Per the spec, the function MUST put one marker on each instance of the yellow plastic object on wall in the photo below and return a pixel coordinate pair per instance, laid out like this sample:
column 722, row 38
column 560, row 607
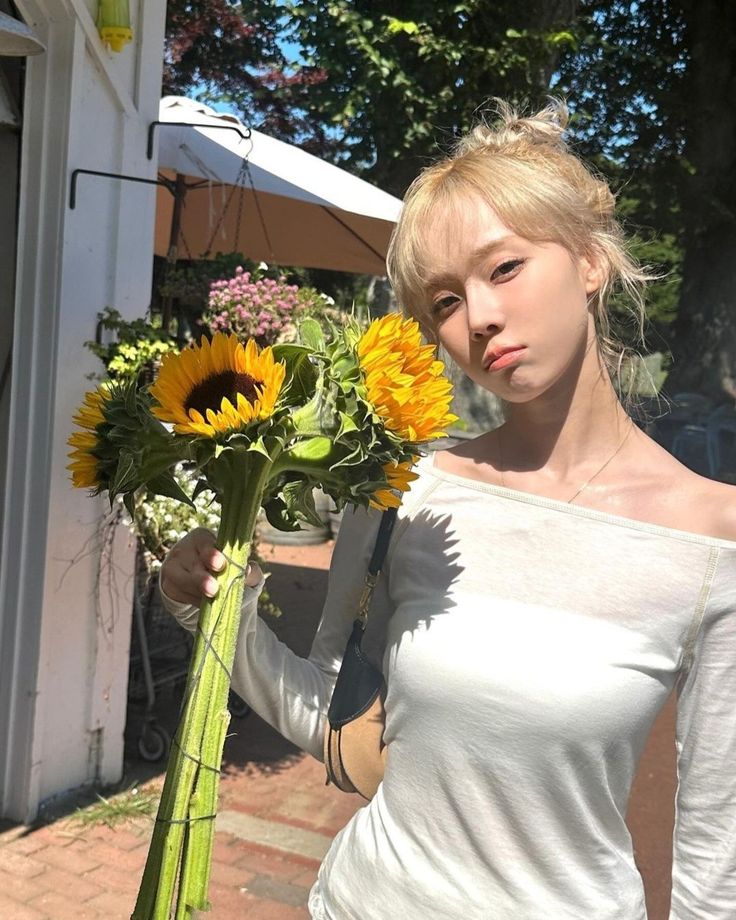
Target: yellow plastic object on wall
column 113, row 23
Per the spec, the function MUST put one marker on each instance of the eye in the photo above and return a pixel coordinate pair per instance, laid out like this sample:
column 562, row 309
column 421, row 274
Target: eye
column 507, row 270
column 443, row 304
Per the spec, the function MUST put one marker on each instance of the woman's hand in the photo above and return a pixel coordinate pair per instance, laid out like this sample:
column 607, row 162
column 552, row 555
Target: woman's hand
column 187, row 574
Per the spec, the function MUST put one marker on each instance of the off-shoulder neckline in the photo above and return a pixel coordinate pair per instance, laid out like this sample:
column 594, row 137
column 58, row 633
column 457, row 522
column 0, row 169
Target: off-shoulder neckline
column 580, row 511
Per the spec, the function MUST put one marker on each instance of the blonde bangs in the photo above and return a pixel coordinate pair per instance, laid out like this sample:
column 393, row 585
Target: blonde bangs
column 527, row 197
column 523, row 170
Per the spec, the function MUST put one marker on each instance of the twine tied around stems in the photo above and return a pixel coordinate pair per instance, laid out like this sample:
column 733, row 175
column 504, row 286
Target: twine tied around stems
column 242, row 573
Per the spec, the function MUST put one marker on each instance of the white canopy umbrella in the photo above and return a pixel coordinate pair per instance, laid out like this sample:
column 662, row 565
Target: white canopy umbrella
column 242, row 191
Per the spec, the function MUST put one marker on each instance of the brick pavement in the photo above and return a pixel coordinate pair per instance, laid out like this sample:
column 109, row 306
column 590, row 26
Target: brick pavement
column 64, row 871
column 276, row 815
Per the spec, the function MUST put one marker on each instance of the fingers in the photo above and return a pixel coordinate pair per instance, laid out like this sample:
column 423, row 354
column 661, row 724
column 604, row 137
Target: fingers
column 203, row 542
column 189, row 570
column 253, row 575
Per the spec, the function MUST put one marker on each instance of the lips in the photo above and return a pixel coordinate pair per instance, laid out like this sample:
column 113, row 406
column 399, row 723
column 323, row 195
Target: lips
column 502, row 356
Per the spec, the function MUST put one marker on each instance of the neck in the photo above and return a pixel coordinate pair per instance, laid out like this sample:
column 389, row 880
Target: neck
column 567, row 431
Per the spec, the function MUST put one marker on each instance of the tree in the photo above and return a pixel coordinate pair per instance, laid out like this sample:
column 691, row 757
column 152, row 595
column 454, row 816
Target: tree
column 704, row 345
column 397, row 89
column 652, row 86
column 225, row 51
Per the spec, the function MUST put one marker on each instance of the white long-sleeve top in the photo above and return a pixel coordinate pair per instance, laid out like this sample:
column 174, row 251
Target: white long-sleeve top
column 527, row 646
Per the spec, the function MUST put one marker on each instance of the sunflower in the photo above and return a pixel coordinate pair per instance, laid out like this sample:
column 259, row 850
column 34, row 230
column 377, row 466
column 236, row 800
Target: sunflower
column 400, row 477
column 216, row 387
column 404, row 380
column 86, row 468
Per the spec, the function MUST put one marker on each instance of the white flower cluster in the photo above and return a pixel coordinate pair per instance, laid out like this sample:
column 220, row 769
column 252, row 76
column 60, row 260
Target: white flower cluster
column 161, row 522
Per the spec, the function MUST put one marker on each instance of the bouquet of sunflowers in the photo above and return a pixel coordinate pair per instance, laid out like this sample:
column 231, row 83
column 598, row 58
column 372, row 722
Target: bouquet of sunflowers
column 347, row 412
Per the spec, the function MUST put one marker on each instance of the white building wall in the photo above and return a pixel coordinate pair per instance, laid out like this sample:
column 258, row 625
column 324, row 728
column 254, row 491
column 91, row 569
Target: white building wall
column 66, row 615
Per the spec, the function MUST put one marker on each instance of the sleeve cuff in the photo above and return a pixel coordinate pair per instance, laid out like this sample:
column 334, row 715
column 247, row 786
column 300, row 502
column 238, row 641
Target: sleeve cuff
column 187, row 614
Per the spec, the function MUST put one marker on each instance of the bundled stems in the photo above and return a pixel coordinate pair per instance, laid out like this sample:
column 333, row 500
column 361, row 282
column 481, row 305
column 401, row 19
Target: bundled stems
column 183, row 836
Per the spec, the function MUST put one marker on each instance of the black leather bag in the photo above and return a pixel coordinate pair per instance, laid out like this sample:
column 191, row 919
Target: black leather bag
column 354, row 751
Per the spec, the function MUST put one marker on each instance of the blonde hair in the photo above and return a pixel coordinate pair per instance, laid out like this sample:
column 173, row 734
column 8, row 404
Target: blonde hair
column 523, row 169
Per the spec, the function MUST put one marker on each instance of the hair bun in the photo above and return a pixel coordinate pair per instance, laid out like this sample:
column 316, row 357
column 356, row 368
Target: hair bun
column 509, row 129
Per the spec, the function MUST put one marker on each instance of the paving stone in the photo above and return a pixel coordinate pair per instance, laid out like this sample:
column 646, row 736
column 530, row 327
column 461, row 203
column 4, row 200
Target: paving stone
column 12, row 910
column 130, row 837
column 307, row 878
column 227, row 849
column 23, row 866
column 262, row 862
column 130, row 860
column 276, row 834
column 273, row 910
column 27, row 844
column 110, row 879
column 264, row 886
column 227, row 903
column 19, row 888
column 76, row 861
column 113, row 905
column 52, row 835
column 64, row 907
column 59, row 880
column 229, row 875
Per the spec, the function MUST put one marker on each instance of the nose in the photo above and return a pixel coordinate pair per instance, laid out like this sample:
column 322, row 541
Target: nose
column 485, row 315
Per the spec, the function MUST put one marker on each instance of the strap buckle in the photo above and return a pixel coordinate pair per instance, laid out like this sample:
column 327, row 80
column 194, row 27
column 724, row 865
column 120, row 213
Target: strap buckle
column 365, row 598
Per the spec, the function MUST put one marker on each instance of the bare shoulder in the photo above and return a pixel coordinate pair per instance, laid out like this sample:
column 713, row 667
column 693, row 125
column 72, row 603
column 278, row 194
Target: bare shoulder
column 708, row 506
column 680, row 498
column 720, row 501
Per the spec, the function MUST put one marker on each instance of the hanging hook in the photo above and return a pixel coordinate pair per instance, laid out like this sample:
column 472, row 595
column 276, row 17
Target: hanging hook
column 242, row 130
column 166, row 183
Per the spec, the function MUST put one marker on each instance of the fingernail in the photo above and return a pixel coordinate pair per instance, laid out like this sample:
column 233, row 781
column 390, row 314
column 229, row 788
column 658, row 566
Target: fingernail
column 211, row 587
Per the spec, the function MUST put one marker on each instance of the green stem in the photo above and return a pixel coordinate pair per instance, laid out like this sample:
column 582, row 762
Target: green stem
column 184, row 831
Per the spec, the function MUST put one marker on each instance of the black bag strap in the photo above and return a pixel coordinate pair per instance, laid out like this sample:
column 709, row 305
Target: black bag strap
column 383, row 538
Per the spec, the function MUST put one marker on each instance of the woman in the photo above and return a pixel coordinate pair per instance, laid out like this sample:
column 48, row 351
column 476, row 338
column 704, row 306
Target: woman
column 547, row 585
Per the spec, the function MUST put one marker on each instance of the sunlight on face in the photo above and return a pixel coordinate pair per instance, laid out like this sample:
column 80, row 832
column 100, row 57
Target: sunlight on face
column 512, row 313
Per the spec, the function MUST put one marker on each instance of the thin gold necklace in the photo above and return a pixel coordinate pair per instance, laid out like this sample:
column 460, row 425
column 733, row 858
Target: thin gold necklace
column 587, row 482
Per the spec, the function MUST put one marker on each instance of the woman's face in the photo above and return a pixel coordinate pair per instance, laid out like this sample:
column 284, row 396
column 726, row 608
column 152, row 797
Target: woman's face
column 512, row 314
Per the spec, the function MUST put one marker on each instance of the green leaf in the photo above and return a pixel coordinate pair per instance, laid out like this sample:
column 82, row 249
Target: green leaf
column 347, row 424
column 278, row 516
column 129, row 502
column 126, row 474
column 398, row 25
column 299, row 500
column 201, row 486
column 310, row 332
column 312, row 450
column 165, row 484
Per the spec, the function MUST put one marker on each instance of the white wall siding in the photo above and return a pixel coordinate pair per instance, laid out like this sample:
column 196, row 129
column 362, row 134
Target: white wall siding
column 65, row 605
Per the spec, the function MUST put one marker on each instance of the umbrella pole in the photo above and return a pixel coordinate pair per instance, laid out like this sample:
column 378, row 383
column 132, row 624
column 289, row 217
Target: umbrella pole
column 180, row 190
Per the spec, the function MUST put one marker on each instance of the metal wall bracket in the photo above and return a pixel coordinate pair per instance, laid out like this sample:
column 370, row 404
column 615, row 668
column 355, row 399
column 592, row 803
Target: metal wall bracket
column 243, row 132
column 168, row 184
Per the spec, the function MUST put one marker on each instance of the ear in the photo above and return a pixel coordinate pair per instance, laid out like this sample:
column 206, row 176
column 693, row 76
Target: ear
column 593, row 272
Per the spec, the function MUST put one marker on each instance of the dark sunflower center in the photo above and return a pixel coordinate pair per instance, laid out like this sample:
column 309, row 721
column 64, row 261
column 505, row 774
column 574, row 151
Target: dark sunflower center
column 226, row 385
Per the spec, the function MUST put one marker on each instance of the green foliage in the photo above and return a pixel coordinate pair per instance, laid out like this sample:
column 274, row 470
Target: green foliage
column 337, row 441
column 117, row 809
column 395, row 88
column 190, row 281
column 136, row 347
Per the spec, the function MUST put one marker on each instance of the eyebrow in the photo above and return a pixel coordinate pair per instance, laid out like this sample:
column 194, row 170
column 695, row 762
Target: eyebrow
column 482, row 252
